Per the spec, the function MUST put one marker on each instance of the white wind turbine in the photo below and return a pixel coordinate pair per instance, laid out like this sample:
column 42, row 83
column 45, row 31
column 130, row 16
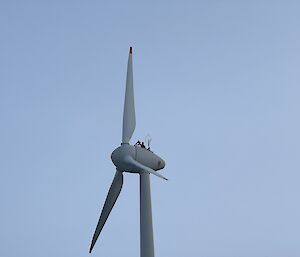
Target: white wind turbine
column 132, row 159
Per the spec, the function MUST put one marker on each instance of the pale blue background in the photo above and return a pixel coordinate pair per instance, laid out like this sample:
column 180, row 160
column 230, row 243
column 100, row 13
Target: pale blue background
column 217, row 86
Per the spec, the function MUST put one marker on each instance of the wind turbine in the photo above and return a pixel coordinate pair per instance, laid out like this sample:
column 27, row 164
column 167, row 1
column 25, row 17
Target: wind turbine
column 133, row 159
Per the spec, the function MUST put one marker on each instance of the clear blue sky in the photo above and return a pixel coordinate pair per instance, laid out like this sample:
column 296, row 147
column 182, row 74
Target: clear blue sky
column 217, row 85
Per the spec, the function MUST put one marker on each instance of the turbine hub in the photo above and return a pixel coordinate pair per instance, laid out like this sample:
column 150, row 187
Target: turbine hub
column 119, row 154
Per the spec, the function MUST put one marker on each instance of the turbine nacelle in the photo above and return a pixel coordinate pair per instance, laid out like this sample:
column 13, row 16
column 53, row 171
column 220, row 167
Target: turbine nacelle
column 125, row 156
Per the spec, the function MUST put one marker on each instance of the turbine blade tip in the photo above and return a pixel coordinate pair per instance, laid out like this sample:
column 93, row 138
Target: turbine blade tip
column 130, row 50
column 91, row 248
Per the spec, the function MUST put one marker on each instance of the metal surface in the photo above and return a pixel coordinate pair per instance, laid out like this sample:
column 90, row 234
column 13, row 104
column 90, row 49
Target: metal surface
column 146, row 228
column 140, row 168
column 129, row 110
column 110, row 201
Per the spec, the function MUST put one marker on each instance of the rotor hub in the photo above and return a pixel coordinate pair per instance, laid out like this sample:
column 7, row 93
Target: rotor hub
column 119, row 154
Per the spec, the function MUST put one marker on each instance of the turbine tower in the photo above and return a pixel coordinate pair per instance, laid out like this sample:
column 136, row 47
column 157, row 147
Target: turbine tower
column 133, row 159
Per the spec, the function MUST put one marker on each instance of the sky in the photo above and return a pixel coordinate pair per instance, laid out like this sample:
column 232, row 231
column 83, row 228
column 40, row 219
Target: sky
column 217, row 87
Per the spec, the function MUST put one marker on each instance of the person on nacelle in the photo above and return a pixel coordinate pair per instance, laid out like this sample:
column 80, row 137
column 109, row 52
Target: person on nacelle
column 138, row 143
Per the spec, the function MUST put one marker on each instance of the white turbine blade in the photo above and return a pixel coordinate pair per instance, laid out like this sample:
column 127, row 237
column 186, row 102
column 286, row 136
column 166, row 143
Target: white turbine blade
column 143, row 168
column 110, row 201
column 129, row 111
column 146, row 228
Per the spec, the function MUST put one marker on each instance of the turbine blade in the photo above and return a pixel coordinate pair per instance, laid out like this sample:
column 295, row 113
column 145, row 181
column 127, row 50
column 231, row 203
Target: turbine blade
column 110, row 201
column 142, row 167
column 129, row 110
column 146, row 228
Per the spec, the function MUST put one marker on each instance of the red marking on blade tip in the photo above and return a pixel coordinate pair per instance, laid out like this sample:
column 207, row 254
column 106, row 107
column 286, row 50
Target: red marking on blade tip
column 130, row 50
